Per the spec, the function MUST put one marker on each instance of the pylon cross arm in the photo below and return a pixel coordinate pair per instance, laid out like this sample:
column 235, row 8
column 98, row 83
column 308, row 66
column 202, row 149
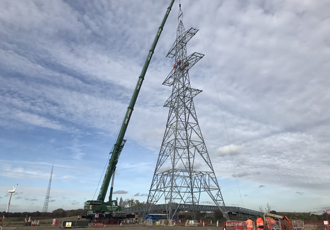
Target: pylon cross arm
column 179, row 71
column 181, row 41
column 192, row 93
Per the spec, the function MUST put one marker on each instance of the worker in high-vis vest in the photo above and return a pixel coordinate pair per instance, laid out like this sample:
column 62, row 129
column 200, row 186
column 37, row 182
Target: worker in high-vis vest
column 260, row 223
column 249, row 224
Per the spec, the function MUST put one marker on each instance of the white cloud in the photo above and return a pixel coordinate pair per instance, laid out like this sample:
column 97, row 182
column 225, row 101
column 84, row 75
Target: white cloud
column 34, row 119
column 66, row 177
column 12, row 171
column 164, row 168
column 263, row 110
column 229, row 150
column 120, row 192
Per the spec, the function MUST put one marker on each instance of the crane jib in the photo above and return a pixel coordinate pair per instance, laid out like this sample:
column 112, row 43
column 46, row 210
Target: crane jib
column 120, row 139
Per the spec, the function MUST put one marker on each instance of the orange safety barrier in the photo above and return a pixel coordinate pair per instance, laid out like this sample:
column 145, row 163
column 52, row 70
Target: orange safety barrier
column 99, row 223
column 314, row 225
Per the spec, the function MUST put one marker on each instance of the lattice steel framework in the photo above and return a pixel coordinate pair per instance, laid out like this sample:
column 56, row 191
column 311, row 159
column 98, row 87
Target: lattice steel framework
column 184, row 169
column 46, row 202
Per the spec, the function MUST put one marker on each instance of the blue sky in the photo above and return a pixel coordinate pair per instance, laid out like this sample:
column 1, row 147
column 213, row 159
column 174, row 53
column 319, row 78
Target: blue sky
column 68, row 70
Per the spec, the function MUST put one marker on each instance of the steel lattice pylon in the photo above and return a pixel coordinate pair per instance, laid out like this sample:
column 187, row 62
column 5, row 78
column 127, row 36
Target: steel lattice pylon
column 45, row 208
column 184, row 169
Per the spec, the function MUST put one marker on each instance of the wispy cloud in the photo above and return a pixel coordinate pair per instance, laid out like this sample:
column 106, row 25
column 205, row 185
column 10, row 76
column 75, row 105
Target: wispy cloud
column 20, row 172
column 120, row 192
column 64, row 89
column 141, row 194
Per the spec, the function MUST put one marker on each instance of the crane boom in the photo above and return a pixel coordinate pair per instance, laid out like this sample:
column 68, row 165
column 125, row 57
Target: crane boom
column 99, row 204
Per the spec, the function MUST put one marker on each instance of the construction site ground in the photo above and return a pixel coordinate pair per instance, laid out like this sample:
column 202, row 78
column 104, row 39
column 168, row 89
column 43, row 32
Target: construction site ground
column 46, row 224
column 124, row 227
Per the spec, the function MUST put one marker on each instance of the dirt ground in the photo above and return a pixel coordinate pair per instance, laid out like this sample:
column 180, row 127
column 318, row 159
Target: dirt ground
column 124, row 227
column 45, row 224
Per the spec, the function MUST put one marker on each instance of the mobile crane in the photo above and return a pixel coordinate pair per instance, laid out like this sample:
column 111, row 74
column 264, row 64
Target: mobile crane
column 99, row 208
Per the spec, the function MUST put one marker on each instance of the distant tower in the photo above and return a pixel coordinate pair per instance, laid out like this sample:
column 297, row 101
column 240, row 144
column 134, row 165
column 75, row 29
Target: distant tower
column 45, row 208
column 11, row 192
column 184, row 169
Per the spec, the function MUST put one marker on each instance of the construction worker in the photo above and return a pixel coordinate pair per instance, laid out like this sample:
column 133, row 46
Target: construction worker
column 260, row 223
column 179, row 62
column 249, row 224
column 174, row 66
column 185, row 65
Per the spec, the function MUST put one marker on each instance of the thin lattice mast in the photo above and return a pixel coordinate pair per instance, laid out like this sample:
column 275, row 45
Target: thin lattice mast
column 45, row 208
column 11, row 192
column 184, row 169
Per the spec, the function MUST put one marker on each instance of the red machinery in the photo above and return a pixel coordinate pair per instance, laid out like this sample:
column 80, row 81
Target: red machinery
column 272, row 224
column 327, row 223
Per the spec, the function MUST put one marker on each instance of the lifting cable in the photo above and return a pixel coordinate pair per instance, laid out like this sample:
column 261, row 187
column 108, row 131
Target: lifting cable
column 105, row 166
column 223, row 118
column 102, row 175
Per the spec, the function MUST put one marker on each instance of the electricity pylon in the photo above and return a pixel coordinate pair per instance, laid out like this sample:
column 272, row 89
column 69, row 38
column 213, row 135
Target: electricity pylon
column 184, row 169
column 45, row 208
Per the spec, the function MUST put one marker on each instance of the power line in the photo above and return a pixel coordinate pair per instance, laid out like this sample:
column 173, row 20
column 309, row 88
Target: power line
column 224, row 121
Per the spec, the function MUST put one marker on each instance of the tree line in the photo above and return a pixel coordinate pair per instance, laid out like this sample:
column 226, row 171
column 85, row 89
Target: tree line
column 58, row 213
column 130, row 203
